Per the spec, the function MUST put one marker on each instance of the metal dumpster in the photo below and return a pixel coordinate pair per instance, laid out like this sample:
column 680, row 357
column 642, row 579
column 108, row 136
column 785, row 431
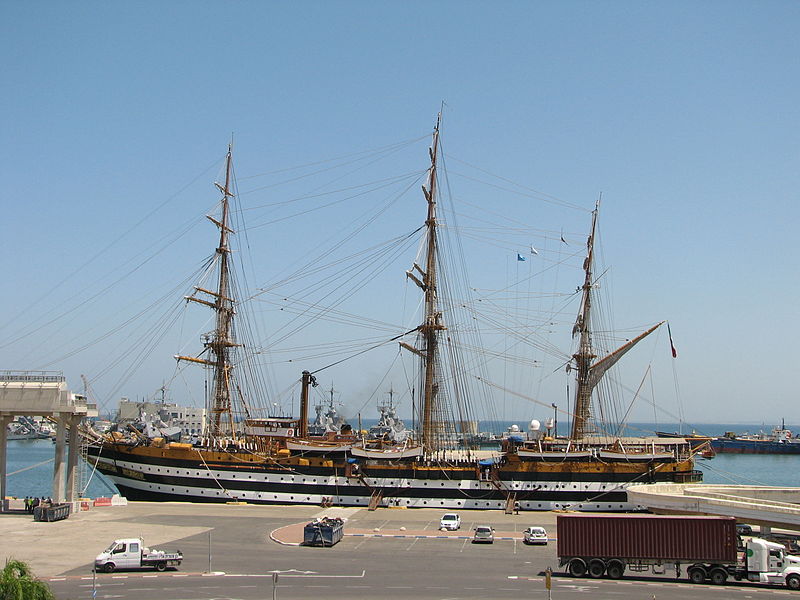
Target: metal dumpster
column 54, row 512
column 323, row 532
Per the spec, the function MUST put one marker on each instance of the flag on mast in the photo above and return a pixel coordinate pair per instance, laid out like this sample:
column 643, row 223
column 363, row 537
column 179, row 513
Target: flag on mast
column 671, row 345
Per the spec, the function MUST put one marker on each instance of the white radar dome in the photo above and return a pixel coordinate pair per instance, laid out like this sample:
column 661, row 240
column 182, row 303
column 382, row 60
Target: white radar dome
column 535, row 425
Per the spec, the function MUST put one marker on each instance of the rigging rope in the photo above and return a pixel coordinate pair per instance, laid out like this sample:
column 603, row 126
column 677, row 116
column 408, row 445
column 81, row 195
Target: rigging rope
column 394, row 339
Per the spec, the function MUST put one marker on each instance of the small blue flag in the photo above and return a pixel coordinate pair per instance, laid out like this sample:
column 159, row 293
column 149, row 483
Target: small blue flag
column 520, row 257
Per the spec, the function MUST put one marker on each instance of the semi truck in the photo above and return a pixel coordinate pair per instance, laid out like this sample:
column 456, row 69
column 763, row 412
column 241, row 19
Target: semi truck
column 131, row 553
column 706, row 548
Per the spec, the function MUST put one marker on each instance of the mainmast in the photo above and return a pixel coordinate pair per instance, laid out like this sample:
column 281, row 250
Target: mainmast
column 220, row 341
column 432, row 323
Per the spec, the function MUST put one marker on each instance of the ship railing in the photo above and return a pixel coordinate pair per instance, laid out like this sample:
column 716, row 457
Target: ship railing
column 32, row 376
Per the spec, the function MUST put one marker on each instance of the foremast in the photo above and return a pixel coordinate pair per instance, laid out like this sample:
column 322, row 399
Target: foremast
column 220, row 341
column 432, row 323
column 589, row 374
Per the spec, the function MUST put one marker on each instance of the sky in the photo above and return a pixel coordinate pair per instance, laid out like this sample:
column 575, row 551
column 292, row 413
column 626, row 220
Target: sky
column 683, row 116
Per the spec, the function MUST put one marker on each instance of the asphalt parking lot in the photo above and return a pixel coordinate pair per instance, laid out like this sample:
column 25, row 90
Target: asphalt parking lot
column 234, row 551
column 235, row 537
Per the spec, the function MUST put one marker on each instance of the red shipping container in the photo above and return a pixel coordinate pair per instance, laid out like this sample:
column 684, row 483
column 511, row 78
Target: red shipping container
column 648, row 537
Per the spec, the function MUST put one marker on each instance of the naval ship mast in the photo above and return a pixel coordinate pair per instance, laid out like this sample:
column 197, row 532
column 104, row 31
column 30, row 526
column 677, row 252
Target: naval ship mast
column 432, row 324
column 220, row 341
column 588, row 374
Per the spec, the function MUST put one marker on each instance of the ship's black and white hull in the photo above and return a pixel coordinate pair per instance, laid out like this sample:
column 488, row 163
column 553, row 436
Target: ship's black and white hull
column 163, row 479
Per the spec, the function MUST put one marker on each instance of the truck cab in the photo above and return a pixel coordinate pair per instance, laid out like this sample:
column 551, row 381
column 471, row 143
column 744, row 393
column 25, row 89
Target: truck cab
column 767, row 562
column 123, row 554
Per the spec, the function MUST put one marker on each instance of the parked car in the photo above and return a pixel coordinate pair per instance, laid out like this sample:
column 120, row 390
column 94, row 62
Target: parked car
column 450, row 521
column 483, row 534
column 534, row 535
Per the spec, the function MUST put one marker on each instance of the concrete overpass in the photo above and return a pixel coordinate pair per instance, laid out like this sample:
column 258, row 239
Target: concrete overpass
column 44, row 394
column 765, row 506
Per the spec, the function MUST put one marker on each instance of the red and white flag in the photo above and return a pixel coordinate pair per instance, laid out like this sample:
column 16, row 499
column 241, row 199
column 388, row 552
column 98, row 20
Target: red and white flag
column 671, row 345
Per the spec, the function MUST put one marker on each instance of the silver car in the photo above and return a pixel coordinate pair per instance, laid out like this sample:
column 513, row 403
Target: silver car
column 483, row 534
column 534, row 535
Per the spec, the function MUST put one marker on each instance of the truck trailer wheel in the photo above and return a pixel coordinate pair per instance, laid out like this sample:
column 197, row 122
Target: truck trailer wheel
column 615, row 569
column 109, row 567
column 718, row 576
column 793, row 582
column 697, row 575
column 161, row 566
column 596, row 568
column 577, row 568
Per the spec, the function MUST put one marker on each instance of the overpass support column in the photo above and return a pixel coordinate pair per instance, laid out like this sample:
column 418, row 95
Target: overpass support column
column 4, row 421
column 58, row 462
column 72, row 456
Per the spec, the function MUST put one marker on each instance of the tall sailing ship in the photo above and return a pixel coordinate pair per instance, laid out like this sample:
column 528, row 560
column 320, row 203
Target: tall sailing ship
column 276, row 460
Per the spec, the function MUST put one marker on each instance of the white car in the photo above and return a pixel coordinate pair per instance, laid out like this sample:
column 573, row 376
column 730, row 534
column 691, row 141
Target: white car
column 534, row 535
column 450, row 521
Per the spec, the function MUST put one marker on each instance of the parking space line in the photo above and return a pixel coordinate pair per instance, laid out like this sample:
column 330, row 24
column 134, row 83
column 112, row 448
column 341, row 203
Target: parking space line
column 361, row 543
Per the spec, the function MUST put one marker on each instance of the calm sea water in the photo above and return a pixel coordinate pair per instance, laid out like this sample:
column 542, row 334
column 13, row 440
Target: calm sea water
column 29, row 468
column 30, row 463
